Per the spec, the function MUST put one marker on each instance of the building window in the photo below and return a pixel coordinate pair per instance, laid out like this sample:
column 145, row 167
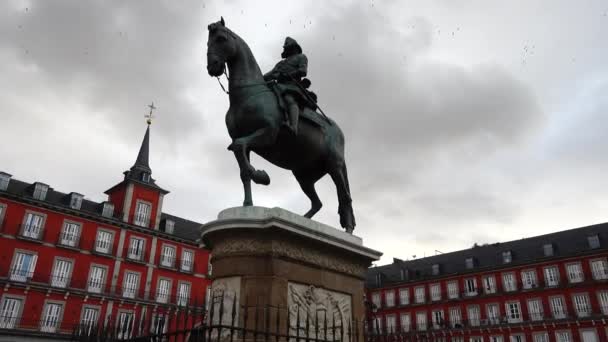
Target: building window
column 513, row 311
column 2, row 212
column 496, row 339
column 603, row 300
column 469, row 263
column 470, row 286
column 517, row 338
column 70, row 234
column 508, row 282
column 145, row 177
column 142, row 214
column 10, row 312
column 452, row 289
column 376, row 299
column 187, row 260
column 476, row 339
column 421, row 321
column 136, row 248
column 5, row 178
column 97, row 278
column 541, row 337
column 599, row 269
column 406, row 322
column 124, row 325
column 548, row 249
column 493, row 314
column 389, row 297
column 435, row 269
column 438, row 320
column 76, row 200
column 551, row 276
column 169, row 226
column 377, row 324
column 575, row 273
column 507, row 257
column 404, row 296
column 581, row 305
column 33, row 225
column 489, row 284
column 159, row 324
column 473, row 315
column 167, row 257
column 163, row 291
column 40, row 191
column 107, row 210
column 103, row 243
column 391, row 324
column 131, row 283
column 594, row 241
column 563, row 336
column 89, row 319
column 419, row 294
column 455, row 317
column 535, row 309
column 51, row 317
column 24, row 264
column 62, row 272
column 435, row 291
column 558, row 308
column 183, row 294
column 528, row 279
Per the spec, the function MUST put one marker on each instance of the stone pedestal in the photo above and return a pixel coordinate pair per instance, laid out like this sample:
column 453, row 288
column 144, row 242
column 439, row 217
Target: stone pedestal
column 263, row 257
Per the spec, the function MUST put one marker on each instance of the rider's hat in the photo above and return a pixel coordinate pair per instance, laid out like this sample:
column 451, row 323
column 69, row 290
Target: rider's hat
column 289, row 42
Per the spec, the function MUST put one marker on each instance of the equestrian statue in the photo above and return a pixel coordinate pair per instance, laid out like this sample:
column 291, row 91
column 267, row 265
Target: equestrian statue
column 275, row 116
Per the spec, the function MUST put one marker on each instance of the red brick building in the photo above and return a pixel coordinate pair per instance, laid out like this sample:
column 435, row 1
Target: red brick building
column 66, row 261
column 546, row 288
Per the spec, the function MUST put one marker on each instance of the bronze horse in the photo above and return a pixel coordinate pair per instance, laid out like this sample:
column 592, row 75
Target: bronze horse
column 254, row 122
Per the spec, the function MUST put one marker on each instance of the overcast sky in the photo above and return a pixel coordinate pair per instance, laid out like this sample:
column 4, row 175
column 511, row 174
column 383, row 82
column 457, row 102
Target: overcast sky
column 466, row 121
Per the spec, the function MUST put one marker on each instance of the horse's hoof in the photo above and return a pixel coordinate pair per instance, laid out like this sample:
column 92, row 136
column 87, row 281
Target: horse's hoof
column 260, row 177
column 247, row 203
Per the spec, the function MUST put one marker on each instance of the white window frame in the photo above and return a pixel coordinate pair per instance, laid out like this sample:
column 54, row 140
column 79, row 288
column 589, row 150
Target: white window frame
column 18, row 273
column 70, row 233
column 389, row 298
column 5, row 179
column 489, row 284
column 437, row 318
column 548, row 250
column 107, row 210
column 76, row 201
column 582, row 304
column 493, row 313
column 391, row 323
column 455, row 316
column 558, row 312
column 509, row 286
column 168, row 261
column 507, row 257
column 529, row 279
column 40, row 191
column 541, row 336
column 92, row 283
column 517, row 337
column 102, row 249
column 11, row 321
column 551, row 279
column 376, row 300
column 575, row 275
column 50, row 322
column 30, row 229
column 474, row 315
column 602, row 299
column 405, row 320
column 421, row 321
column 513, row 316
column 169, row 226
column 181, row 298
column 419, row 294
column 563, row 336
column 163, row 294
column 131, row 289
column 159, row 323
column 435, row 290
column 453, row 289
column 469, row 263
column 86, row 321
column 125, row 317
column 2, row 213
column 61, row 276
column 535, row 309
column 599, row 268
column 185, row 265
column 404, row 296
column 594, row 241
column 470, row 286
column 135, row 253
column 142, row 217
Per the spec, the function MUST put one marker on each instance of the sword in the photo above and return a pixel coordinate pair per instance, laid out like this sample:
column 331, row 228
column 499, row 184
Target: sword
column 305, row 92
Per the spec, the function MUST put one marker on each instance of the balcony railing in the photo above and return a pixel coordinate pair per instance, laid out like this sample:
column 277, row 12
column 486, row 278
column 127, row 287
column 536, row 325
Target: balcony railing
column 69, row 240
column 31, row 231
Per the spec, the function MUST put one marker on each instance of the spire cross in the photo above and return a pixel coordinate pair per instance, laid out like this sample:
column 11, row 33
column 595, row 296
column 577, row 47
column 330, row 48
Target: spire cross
column 150, row 116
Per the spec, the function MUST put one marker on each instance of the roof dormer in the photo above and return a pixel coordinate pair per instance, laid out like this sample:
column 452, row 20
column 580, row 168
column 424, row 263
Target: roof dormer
column 5, row 178
column 76, row 200
column 40, row 191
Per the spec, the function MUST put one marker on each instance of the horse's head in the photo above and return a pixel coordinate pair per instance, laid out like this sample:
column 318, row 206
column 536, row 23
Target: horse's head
column 221, row 46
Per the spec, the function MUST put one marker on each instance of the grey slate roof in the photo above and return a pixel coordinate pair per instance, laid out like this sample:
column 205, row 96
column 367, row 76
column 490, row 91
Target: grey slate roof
column 184, row 229
column 565, row 243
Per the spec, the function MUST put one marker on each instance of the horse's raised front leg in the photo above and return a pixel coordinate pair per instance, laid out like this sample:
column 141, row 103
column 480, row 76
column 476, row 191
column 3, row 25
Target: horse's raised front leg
column 241, row 147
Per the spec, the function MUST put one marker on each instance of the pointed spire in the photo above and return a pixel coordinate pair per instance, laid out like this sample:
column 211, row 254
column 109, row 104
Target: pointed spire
column 142, row 162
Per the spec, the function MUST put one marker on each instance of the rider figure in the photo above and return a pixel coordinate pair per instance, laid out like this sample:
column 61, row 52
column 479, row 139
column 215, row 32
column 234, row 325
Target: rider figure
column 287, row 73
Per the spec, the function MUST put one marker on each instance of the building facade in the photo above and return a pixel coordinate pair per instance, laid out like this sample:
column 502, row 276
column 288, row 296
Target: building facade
column 68, row 263
column 547, row 288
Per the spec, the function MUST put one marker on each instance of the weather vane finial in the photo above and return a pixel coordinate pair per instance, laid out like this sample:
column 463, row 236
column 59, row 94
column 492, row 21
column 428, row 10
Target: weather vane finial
column 149, row 116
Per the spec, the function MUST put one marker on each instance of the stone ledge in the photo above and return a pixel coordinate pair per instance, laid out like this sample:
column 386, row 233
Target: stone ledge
column 265, row 218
